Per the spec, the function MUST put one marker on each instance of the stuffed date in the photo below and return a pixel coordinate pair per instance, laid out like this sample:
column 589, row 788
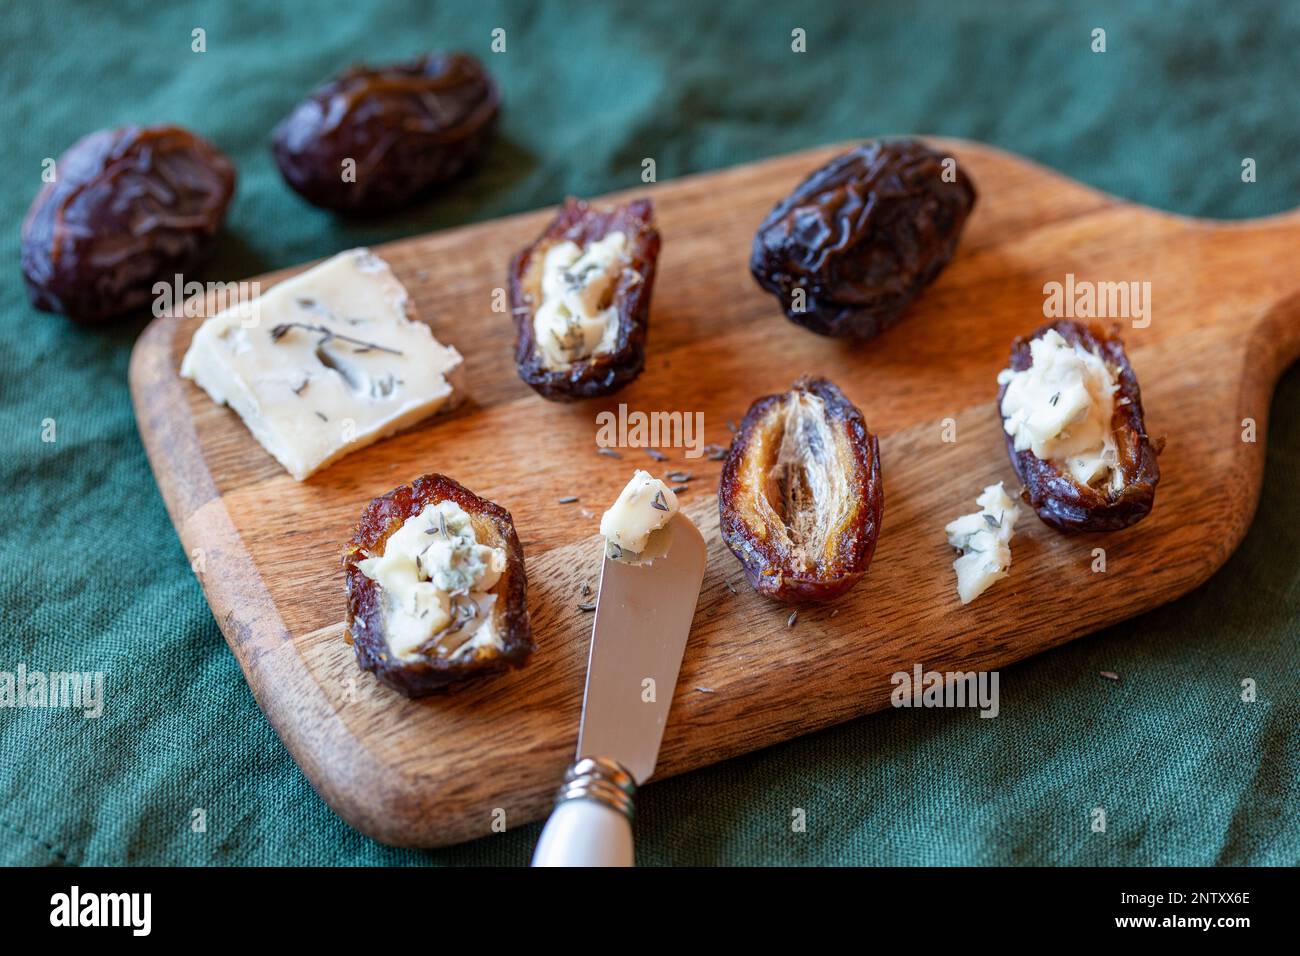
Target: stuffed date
column 580, row 296
column 374, row 139
column 129, row 207
column 1072, row 413
column 436, row 591
column 800, row 499
column 857, row 241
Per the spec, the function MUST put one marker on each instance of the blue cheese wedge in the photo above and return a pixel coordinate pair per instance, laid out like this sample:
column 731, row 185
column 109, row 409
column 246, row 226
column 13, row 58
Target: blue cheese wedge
column 435, row 581
column 641, row 509
column 1060, row 409
column 984, row 540
column 324, row 363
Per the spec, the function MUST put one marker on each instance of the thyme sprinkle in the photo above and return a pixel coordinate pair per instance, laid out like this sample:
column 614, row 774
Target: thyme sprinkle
column 659, row 503
column 321, row 416
column 656, row 454
column 568, row 499
column 281, row 330
column 991, row 521
column 608, row 453
column 794, row 616
column 1055, row 398
column 587, row 606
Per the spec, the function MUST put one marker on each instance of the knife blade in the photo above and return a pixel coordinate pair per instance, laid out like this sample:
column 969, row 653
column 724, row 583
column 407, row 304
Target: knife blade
column 643, row 618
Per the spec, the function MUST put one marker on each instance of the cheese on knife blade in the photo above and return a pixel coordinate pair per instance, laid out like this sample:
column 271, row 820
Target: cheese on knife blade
column 324, row 363
column 631, row 527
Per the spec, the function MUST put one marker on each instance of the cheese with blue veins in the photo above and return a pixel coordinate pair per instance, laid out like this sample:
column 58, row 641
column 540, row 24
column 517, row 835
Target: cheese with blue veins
column 325, row 363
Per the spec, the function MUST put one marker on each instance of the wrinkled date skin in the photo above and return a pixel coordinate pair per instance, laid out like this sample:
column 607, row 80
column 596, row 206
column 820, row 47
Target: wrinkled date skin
column 408, row 127
column 801, row 498
column 606, row 372
column 1056, row 496
column 129, row 207
column 861, row 237
column 365, row 620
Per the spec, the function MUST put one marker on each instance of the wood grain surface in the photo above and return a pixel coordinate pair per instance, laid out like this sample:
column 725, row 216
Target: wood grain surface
column 1225, row 320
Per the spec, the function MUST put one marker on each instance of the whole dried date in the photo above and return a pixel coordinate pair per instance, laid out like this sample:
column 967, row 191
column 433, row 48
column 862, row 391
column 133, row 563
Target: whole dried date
column 1059, row 498
column 853, row 245
column 440, row 660
column 801, row 498
column 580, row 296
column 404, row 128
column 128, row 207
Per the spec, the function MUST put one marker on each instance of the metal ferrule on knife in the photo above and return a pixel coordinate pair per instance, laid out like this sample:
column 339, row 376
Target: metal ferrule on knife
column 602, row 780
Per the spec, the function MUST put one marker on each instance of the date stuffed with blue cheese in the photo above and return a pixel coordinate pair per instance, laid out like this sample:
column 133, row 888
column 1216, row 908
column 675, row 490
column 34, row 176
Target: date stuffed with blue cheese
column 1072, row 413
column 436, row 588
column 580, row 296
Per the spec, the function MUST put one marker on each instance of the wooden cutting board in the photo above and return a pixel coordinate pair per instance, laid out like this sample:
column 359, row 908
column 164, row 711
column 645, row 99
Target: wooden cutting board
column 1225, row 320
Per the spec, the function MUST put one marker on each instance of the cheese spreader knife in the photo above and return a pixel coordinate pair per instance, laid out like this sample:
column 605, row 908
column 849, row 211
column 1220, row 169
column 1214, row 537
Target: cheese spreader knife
column 643, row 617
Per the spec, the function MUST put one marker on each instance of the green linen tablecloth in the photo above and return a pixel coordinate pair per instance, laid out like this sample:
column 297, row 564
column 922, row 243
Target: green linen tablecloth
column 92, row 577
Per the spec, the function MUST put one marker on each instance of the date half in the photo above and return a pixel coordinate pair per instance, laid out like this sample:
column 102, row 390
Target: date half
column 432, row 672
column 801, row 498
column 857, row 241
column 129, row 207
column 594, row 300
column 1058, row 498
column 404, row 127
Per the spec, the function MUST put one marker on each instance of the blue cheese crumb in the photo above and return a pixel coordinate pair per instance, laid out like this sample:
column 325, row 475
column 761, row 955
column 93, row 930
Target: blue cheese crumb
column 984, row 540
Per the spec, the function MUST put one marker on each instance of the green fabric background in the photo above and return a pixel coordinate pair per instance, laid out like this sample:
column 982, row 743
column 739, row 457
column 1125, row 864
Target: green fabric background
column 92, row 576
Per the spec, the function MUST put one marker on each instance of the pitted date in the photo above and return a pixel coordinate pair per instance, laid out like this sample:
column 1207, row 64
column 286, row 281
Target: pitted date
column 406, row 127
column 128, row 207
column 1058, row 498
column 857, row 241
column 365, row 617
column 800, row 500
column 624, row 292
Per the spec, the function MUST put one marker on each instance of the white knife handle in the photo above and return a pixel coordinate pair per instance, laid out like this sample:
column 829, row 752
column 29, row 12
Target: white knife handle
column 591, row 824
column 585, row 833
